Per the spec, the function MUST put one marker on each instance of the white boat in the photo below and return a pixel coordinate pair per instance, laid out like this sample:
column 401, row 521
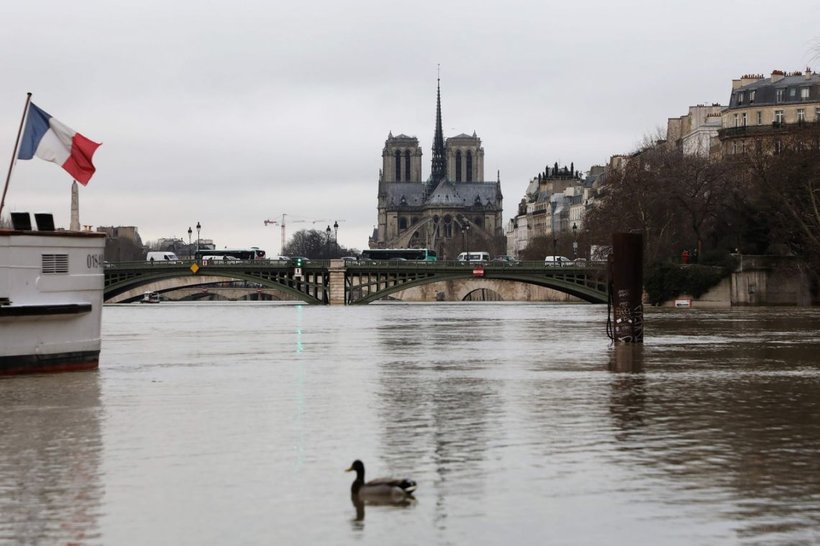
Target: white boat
column 51, row 297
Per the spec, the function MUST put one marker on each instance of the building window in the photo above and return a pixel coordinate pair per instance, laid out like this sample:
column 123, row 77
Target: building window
column 778, row 118
column 469, row 166
column 801, row 115
column 736, row 120
column 817, row 114
column 398, row 165
column 740, row 98
column 792, row 92
column 752, row 96
column 458, row 166
column 779, row 96
column 407, row 165
column 743, row 119
column 760, row 118
column 804, row 93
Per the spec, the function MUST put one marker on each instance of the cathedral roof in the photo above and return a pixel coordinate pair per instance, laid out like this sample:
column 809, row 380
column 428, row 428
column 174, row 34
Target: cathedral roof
column 446, row 195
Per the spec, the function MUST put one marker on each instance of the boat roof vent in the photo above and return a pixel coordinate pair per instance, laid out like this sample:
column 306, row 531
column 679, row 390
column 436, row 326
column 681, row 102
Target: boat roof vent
column 21, row 221
column 45, row 221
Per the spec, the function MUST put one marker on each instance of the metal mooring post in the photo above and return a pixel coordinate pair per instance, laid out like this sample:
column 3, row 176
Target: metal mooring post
column 626, row 288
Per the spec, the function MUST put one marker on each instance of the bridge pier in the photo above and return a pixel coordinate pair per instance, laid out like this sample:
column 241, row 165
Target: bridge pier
column 336, row 283
column 626, row 276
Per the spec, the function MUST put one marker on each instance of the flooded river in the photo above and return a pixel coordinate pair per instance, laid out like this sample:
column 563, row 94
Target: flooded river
column 232, row 423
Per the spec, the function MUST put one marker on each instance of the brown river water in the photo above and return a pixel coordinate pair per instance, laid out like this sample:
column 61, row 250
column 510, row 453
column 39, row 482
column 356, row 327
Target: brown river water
column 232, row 423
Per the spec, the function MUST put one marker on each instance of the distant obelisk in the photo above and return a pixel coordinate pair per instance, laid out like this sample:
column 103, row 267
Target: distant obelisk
column 75, row 207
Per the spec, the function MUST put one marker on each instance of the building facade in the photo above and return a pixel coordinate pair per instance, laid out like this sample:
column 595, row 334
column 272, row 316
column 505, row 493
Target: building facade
column 553, row 206
column 437, row 213
column 696, row 132
column 765, row 112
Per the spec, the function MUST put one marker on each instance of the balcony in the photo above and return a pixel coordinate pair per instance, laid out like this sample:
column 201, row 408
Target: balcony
column 774, row 128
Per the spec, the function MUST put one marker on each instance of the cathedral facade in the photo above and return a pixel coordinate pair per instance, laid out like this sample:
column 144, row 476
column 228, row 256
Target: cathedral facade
column 453, row 208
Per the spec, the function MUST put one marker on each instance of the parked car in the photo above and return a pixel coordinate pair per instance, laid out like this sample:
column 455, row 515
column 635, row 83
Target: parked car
column 505, row 260
column 219, row 258
column 297, row 261
column 557, row 261
column 474, row 257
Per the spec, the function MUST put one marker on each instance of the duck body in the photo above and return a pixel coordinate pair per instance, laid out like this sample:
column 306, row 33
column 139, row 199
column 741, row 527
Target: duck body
column 380, row 490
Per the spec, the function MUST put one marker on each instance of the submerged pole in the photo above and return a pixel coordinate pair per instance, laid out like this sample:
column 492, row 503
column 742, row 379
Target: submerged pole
column 626, row 287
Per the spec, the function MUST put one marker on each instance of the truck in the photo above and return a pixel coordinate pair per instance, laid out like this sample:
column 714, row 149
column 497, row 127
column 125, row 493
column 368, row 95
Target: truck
column 162, row 256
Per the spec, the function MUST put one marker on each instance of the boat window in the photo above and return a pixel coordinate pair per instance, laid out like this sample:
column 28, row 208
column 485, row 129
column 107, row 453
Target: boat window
column 55, row 263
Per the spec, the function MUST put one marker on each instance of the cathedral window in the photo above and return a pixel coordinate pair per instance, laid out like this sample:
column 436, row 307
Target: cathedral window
column 402, row 223
column 448, row 227
column 458, row 166
column 407, row 165
column 469, row 166
column 398, row 166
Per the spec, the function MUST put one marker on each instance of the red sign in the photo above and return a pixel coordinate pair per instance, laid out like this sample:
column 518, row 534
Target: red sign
column 478, row 271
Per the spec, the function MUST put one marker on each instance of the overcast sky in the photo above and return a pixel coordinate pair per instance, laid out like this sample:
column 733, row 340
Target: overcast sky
column 233, row 112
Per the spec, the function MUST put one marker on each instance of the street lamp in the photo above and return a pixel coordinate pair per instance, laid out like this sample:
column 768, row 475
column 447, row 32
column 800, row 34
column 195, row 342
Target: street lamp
column 189, row 241
column 553, row 206
column 327, row 246
column 336, row 234
column 574, row 240
column 198, row 227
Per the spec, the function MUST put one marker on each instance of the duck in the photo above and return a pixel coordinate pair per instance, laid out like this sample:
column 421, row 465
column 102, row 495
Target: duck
column 380, row 490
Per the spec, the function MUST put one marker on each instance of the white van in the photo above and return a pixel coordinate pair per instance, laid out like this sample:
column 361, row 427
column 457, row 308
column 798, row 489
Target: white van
column 474, row 257
column 162, row 257
column 557, row 261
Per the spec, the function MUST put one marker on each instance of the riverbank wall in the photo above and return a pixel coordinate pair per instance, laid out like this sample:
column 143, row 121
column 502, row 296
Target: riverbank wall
column 757, row 281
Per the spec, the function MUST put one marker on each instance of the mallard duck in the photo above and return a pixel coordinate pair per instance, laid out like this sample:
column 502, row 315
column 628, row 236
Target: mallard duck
column 380, row 489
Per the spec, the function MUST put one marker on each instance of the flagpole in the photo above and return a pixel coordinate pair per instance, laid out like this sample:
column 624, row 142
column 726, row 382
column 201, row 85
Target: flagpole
column 14, row 155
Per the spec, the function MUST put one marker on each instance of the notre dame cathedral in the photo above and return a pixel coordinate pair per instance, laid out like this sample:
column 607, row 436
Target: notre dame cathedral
column 454, row 208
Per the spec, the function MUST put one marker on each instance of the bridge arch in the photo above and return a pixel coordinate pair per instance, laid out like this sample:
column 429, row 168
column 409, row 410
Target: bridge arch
column 132, row 286
column 564, row 281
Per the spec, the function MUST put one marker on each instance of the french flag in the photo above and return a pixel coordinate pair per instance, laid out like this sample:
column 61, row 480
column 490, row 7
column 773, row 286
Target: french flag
column 53, row 141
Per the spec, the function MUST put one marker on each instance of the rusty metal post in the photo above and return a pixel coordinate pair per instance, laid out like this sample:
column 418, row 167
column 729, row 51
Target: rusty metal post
column 626, row 287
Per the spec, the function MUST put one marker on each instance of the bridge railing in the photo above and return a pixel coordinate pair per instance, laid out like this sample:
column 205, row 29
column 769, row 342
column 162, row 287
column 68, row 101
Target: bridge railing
column 400, row 264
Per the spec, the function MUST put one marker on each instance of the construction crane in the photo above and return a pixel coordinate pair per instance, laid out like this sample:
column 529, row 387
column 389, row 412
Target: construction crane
column 281, row 223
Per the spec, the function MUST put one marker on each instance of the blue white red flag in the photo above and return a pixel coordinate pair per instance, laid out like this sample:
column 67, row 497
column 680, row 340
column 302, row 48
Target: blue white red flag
column 52, row 141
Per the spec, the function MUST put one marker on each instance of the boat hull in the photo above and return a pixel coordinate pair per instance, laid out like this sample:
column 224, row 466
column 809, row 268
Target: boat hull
column 51, row 298
column 49, row 363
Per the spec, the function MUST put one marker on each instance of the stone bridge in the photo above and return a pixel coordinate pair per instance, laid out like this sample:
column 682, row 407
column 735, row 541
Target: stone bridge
column 339, row 282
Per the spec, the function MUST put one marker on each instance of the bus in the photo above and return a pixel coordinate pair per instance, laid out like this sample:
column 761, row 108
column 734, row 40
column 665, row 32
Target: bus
column 253, row 253
column 409, row 254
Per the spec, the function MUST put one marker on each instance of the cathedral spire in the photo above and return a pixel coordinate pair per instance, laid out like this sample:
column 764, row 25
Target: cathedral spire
column 438, row 171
